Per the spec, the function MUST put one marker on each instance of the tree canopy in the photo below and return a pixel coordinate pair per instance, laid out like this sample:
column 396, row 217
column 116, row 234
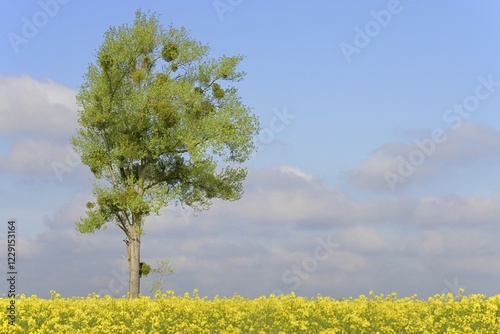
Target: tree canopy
column 160, row 123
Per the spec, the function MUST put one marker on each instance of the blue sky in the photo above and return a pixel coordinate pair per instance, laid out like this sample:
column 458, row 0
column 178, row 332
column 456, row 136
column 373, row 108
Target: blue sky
column 381, row 140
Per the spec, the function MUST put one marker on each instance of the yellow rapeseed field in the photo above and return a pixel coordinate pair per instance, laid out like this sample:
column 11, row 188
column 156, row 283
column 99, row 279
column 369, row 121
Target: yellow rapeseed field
column 168, row 313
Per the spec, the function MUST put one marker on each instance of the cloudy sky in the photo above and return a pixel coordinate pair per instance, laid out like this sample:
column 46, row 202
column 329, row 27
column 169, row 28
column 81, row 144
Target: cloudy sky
column 377, row 166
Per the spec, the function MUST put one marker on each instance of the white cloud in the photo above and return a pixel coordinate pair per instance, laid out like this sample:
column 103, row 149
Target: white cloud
column 408, row 244
column 365, row 239
column 272, row 230
column 32, row 107
column 38, row 118
column 297, row 172
column 38, row 157
column 469, row 143
column 399, row 164
column 454, row 210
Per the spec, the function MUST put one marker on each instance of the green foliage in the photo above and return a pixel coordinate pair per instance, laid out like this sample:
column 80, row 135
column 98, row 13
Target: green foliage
column 170, row 52
column 217, row 91
column 145, row 269
column 156, row 126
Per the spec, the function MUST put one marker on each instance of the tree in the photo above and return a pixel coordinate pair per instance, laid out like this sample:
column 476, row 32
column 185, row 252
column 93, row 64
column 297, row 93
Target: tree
column 160, row 124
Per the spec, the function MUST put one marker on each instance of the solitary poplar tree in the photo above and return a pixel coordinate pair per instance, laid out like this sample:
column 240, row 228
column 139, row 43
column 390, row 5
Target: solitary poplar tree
column 160, row 124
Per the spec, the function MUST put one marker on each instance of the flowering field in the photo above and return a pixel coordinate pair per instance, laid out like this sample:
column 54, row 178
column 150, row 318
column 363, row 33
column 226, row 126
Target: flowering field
column 168, row 313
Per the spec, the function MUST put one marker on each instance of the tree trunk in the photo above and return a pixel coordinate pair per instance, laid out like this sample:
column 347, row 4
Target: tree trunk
column 134, row 248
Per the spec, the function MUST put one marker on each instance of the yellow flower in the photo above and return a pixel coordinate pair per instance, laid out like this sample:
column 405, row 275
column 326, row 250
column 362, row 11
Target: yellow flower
column 168, row 313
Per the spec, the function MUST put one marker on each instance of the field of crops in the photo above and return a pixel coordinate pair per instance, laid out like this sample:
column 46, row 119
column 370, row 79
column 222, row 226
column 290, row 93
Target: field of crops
column 168, row 313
